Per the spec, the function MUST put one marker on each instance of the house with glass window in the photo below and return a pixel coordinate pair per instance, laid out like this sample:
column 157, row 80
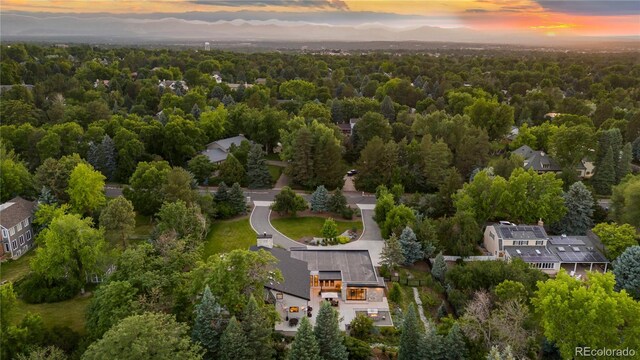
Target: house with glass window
column 531, row 244
column 15, row 223
column 345, row 278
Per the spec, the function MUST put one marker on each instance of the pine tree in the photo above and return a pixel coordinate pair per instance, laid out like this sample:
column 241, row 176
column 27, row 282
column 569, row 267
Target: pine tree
column 257, row 171
column 579, row 204
column 320, row 199
column 231, row 170
column 387, row 109
column 624, row 166
column 434, row 344
column 222, row 195
column 233, row 343
column 209, row 325
column 304, row 345
column 102, row 156
column 636, row 149
column 454, row 344
column 337, row 113
column 337, row 202
column 605, row 175
column 439, row 269
column 46, row 196
column 227, row 101
column 418, row 82
column 411, row 338
column 302, row 162
column 258, row 330
column 391, row 255
column 237, row 199
column 411, row 248
column 328, row 335
column 442, row 311
column 195, row 111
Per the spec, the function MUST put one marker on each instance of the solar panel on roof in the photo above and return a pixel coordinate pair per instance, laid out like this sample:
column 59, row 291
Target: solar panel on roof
column 506, row 233
column 538, row 232
column 565, row 241
column 582, row 257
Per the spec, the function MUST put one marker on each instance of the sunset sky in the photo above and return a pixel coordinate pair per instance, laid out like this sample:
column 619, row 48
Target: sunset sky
column 549, row 18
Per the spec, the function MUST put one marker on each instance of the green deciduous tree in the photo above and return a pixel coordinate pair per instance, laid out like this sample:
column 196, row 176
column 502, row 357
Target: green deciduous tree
column 288, row 202
column 183, row 220
column 397, row 219
column 233, row 343
column 627, row 271
column 252, row 270
column 319, row 199
column 179, row 186
column 112, row 302
column 15, row 179
column 371, row 125
column 70, row 249
column 145, row 186
column 579, row 204
column 411, row 248
column 201, row 168
column 328, row 335
column 118, row 216
column 209, row 324
column 625, row 201
column 570, row 144
column 257, row 171
column 86, row 189
column 147, row 336
column 412, row 337
column 377, row 164
column 602, row 314
column 304, row 345
column 616, row 238
column 496, row 118
column 329, row 229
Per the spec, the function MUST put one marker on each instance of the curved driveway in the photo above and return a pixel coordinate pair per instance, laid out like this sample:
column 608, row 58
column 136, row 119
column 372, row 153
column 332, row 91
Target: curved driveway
column 370, row 239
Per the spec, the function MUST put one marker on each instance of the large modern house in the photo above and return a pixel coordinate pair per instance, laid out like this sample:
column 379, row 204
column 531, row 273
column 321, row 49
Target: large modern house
column 15, row 224
column 345, row 278
column 541, row 162
column 547, row 253
column 218, row 151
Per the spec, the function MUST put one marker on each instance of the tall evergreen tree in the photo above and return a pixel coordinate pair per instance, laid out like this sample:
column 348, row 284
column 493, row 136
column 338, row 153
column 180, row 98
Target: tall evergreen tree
column 304, row 345
column 320, row 199
column 102, row 156
column 391, row 255
column 434, row 345
column 328, row 335
column 605, row 174
column 237, row 199
column 46, row 196
column 455, row 345
column 439, row 268
column 387, row 109
column 411, row 248
column 231, row 170
column 195, row 111
column 258, row 176
column 626, row 268
column 624, row 165
column 337, row 202
column 209, row 325
column 258, row 330
column 412, row 337
column 579, row 204
column 302, row 162
column 233, row 343
column 222, row 194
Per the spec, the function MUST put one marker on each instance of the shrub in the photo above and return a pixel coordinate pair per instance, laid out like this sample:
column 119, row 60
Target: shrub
column 384, row 272
column 358, row 349
column 343, row 239
column 395, row 293
column 361, row 327
column 34, row 289
column 347, row 213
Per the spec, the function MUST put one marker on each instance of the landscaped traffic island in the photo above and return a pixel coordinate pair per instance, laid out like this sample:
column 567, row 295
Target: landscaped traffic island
column 305, row 228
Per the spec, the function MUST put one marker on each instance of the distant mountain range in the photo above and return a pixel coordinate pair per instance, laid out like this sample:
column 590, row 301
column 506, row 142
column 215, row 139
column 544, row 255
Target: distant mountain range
column 222, row 27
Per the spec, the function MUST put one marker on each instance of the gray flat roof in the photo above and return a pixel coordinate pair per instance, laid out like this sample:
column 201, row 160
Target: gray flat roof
column 355, row 265
column 294, row 272
column 530, row 255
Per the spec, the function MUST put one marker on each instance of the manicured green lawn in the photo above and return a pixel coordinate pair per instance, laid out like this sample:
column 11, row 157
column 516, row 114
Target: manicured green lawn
column 310, row 226
column 69, row 313
column 228, row 235
column 12, row 270
column 140, row 233
column 275, row 172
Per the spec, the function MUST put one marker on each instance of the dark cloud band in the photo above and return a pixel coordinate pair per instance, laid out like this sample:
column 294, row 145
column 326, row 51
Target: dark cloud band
column 593, row 7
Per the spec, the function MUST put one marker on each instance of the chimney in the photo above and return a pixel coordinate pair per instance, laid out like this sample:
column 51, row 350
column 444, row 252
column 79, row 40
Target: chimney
column 265, row 240
column 540, row 223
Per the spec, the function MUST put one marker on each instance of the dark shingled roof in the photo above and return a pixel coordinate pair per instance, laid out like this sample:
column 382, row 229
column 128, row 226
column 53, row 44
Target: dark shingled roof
column 14, row 211
column 294, row 272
